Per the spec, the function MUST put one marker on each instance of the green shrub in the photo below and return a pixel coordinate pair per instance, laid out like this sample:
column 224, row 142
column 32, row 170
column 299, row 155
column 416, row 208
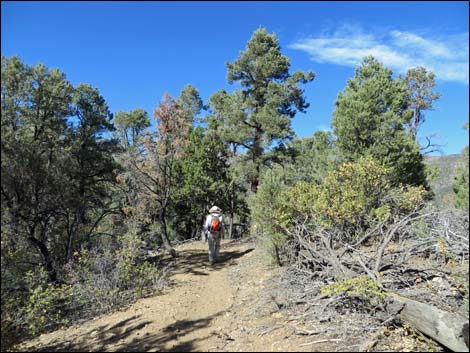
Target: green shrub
column 361, row 289
column 348, row 197
column 94, row 282
column 103, row 280
column 269, row 212
column 132, row 271
column 460, row 186
column 350, row 200
column 43, row 308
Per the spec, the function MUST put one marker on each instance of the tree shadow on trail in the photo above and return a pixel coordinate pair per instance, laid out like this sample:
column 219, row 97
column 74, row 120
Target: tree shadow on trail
column 197, row 261
column 171, row 338
column 98, row 338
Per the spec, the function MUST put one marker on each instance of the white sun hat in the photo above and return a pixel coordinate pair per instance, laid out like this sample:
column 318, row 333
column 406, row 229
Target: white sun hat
column 215, row 209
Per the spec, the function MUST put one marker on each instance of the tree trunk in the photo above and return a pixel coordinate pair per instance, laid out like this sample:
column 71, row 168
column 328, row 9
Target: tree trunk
column 71, row 230
column 232, row 211
column 232, row 199
column 47, row 258
column 257, row 152
column 230, row 229
column 165, row 240
column 417, row 121
column 77, row 220
column 449, row 329
column 278, row 257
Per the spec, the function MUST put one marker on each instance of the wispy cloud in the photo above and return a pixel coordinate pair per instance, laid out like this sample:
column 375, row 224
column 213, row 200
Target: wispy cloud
column 323, row 128
column 447, row 56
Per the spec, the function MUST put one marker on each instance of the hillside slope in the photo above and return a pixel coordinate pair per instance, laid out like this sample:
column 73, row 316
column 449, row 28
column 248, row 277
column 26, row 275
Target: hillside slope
column 442, row 184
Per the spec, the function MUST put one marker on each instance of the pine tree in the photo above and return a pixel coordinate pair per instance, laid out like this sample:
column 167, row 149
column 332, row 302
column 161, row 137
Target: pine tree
column 370, row 119
column 258, row 116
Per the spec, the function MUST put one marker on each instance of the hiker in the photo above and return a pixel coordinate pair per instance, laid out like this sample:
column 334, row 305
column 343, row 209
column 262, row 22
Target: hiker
column 214, row 230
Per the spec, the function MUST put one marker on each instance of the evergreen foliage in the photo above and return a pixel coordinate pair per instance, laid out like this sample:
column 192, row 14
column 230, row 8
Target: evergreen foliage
column 370, row 120
column 259, row 115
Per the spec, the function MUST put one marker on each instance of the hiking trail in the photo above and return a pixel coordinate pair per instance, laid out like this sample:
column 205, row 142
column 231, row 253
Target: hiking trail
column 206, row 308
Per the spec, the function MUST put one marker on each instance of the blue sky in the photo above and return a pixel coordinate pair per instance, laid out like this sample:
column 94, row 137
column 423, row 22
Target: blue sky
column 134, row 52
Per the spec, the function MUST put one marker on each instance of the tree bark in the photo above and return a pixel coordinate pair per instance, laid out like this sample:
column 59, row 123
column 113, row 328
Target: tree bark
column 165, row 239
column 232, row 210
column 257, row 152
column 449, row 329
column 71, row 230
column 232, row 199
column 278, row 257
column 47, row 258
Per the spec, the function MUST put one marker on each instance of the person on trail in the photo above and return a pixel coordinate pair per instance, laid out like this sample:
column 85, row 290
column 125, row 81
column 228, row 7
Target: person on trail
column 214, row 230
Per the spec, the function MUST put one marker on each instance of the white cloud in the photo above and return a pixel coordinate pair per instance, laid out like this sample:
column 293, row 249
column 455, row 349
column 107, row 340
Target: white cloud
column 410, row 41
column 323, row 128
column 447, row 56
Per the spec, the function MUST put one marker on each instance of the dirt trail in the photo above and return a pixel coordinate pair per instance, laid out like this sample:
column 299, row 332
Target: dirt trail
column 207, row 308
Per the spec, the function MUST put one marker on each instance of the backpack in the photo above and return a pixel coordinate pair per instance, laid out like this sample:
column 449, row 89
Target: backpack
column 215, row 224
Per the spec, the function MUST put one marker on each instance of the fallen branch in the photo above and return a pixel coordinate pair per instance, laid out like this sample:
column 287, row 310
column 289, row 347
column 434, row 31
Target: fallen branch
column 322, row 341
column 308, row 332
column 446, row 328
column 270, row 330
